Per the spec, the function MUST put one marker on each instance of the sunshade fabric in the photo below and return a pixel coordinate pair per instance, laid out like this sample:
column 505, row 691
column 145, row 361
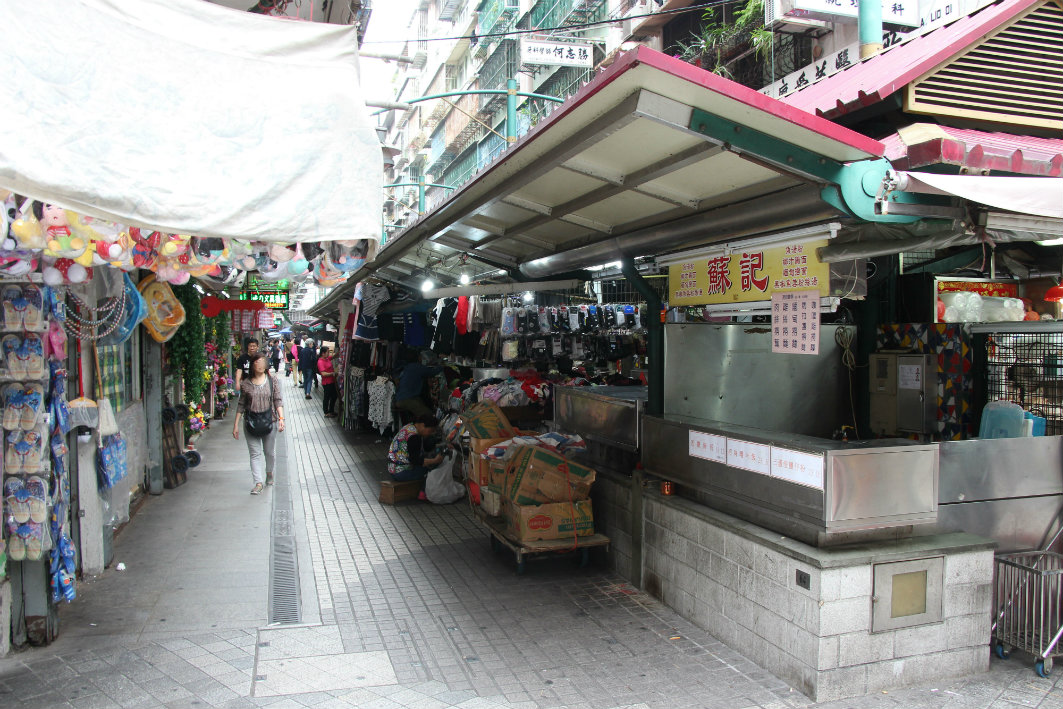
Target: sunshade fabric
column 1040, row 196
column 188, row 117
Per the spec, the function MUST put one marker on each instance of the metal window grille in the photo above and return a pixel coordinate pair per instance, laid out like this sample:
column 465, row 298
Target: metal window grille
column 500, row 66
column 1027, row 369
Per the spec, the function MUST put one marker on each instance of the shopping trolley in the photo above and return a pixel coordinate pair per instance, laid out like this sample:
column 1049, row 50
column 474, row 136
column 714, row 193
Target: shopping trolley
column 1028, row 598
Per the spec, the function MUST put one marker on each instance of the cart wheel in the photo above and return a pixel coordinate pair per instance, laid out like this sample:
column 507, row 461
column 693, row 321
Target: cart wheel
column 1000, row 651
column 169, row 415
column 193, row 458
column 182, row 410
column 1041, row 670
column 179, row 464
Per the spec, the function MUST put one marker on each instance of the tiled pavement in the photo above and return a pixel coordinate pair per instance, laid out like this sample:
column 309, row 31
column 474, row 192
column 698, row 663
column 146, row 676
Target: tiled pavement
column 403, row 607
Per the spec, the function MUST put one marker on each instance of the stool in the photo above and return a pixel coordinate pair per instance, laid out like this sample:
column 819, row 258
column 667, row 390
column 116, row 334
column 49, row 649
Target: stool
column 392, row 492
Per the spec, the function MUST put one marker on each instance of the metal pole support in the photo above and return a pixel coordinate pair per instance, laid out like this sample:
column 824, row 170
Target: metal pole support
column 511, row 110
column 420, row 194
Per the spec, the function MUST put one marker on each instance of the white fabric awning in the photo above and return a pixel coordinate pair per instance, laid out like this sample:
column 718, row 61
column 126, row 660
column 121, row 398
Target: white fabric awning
column 188, row 117
column 1039, row 196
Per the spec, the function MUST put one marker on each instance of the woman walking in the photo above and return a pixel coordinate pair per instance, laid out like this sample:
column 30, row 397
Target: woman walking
column 260, row 398
column 327, row 370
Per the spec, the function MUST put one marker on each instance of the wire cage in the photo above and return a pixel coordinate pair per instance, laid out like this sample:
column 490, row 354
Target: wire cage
column 1027, row 369
column 1028, row 598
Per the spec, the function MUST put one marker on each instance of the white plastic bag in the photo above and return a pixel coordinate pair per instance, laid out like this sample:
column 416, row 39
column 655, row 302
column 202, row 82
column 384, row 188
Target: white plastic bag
column 440, row 487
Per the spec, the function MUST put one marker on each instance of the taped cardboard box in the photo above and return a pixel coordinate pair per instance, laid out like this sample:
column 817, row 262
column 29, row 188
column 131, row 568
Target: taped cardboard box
column 553, row 520
column 486, row 420
column 480, row 468
column 536, row 475
column 491, row 500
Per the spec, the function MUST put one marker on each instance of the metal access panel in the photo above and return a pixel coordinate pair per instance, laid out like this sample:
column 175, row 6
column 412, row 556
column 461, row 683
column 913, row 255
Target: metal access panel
column 903, row 393
column 907, row 593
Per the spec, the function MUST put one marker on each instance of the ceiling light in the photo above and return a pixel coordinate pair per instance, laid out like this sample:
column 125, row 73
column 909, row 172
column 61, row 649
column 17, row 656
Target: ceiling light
column 464, row 279
column 427, row 285
column 528, row 296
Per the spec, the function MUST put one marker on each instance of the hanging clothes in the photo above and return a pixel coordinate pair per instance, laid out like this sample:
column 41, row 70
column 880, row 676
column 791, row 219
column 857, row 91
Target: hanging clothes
column 461, row 315
column 381, row 393
column 445, row 328
column 371, row 297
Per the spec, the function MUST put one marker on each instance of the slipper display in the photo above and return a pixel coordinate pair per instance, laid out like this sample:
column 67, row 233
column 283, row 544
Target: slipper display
column 32, row 536
column 28, row 452
column 30, row 356
column 17, row 499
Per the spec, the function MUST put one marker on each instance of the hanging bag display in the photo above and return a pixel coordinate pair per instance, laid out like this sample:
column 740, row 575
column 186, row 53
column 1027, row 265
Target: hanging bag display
column 260, row 423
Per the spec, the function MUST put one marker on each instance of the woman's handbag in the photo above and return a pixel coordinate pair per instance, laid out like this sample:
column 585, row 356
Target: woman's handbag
column 260, row 423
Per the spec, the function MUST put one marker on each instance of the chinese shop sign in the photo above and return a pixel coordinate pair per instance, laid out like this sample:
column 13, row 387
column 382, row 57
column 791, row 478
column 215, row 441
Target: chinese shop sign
column 795, row 322
column 273, row 301
column 991, row 288
column 746, row 276
column 534, row 51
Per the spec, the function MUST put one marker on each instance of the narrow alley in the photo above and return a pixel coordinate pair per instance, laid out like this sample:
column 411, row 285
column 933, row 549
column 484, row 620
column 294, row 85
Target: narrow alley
column 385, row 607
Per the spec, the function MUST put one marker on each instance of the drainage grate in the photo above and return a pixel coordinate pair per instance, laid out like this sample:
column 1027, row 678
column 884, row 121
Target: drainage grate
column 285, row 607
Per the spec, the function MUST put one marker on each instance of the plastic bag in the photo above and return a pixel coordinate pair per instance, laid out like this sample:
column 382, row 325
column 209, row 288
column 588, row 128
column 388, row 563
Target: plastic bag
column 440, row 487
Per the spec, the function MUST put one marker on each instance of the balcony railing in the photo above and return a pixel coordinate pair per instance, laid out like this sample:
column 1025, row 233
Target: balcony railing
column 494, row 12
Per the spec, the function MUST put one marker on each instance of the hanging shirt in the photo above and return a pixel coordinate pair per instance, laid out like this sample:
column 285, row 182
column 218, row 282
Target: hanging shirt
column 461, row 316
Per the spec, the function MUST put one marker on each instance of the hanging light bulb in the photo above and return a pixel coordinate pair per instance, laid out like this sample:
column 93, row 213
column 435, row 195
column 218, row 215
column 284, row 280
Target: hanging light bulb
column 528, row 296
column 427, row 285
column 464, row 279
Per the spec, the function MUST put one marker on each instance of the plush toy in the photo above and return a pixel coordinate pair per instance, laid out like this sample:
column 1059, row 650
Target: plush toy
column 104, row 238
column 327, row 275
column 13, row 260
column 208, row 250
column 298, row 265
column 174, row 244
column 145, row 247
column 282, row 253
column 348, row 256
column 61, row 242
column 27, row 229
column 57, row 271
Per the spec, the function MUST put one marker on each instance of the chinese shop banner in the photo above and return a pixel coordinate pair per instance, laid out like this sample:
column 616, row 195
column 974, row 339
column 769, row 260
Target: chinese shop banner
column 751, row 275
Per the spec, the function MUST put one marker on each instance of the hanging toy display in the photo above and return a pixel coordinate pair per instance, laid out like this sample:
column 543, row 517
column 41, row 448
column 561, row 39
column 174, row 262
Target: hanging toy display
column 60, row 241
column 165, row 312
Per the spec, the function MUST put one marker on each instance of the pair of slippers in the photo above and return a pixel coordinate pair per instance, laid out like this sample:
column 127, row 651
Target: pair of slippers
column 26, row 500
column 23, row 405
column 24, row 452
column 26, row 541
column 24, row 356
column 23, row 307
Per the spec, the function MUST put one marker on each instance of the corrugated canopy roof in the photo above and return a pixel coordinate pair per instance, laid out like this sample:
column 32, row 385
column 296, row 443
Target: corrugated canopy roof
column 925, row 144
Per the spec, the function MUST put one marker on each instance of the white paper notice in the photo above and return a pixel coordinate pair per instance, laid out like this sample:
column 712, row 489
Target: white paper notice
column 796, row 467
column 909, row 376
column 755, row 457
column 708, row 446
column 795, row 322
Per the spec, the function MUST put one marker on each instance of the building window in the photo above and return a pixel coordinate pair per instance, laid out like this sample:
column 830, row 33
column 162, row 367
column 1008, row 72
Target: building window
column 119, row 372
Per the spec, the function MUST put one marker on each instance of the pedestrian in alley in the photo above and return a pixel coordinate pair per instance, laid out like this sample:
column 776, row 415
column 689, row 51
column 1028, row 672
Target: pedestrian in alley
column 411, row 377
column 326, row 368
column 275, row 355
column 260, row 400
column 242, row 366
column 407, row 454
column 307, row 365
column 293, row 352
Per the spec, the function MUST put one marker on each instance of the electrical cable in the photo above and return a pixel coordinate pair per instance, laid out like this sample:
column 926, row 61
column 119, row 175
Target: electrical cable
column 541, row 30
column 844, row 337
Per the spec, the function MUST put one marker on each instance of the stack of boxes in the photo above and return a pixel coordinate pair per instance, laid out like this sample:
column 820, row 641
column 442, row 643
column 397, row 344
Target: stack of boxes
column 540, row 493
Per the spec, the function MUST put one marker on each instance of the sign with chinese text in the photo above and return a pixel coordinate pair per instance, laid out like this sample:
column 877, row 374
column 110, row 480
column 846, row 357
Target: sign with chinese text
column 257, row 283
column 894, row 12
column 1000, row 290
column 746, row 276
column 795, row 322
column 796, row 467
column 822, row 68
column 755, row 457
column 537, row 51
column 708, row 446
column 273, row 301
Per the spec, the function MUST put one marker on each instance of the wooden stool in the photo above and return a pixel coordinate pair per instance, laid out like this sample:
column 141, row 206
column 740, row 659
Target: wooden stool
column 392, row 492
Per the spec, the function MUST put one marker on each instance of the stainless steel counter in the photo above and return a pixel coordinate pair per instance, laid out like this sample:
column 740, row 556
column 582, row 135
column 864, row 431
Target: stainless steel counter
column 606, row 414
column 820, row 491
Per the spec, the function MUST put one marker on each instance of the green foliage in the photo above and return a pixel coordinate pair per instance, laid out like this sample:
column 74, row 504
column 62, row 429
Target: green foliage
column 187, row 354
column 722, row 43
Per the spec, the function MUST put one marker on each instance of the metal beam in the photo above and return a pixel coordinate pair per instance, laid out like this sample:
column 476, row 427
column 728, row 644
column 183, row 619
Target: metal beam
column 502, row 288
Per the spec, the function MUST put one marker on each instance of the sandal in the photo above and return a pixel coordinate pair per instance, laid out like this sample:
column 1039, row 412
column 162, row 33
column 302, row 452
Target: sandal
column 10, row 345
column 12, row 463
column 256, row 489
column 32, row 535
column 14, row 403
column 16, row 499
column 14, row 306
column 33, row 402
column 30, row 356
column 38, row 499
column 33, row 314
column 28, row 451
column 16, row 548
column 269, row 478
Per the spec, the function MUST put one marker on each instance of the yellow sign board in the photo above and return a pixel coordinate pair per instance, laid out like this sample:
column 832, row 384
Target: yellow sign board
column 749, row 275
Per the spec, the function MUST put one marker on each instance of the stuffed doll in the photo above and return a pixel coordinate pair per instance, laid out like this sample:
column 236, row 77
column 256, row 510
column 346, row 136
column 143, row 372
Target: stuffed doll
column 57, row 271
column 13, row 260
column 348, row 256
column 145, row 247
column 174, row 244
column 61, row 242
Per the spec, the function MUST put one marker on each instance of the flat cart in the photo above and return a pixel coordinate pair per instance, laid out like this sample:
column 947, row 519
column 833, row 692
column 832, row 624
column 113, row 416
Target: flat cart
column 501, row 538
column 1028, row 598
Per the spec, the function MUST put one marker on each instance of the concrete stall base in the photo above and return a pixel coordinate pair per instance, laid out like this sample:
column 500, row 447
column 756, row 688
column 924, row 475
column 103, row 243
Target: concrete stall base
column 827, row 620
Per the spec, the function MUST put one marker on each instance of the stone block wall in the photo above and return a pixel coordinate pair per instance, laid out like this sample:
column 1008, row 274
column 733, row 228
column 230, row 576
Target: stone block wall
column 611, row 496
column 739, row 582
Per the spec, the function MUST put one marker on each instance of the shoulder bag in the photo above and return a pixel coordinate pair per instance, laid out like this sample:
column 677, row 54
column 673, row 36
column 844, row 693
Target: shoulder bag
column 260, row 423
